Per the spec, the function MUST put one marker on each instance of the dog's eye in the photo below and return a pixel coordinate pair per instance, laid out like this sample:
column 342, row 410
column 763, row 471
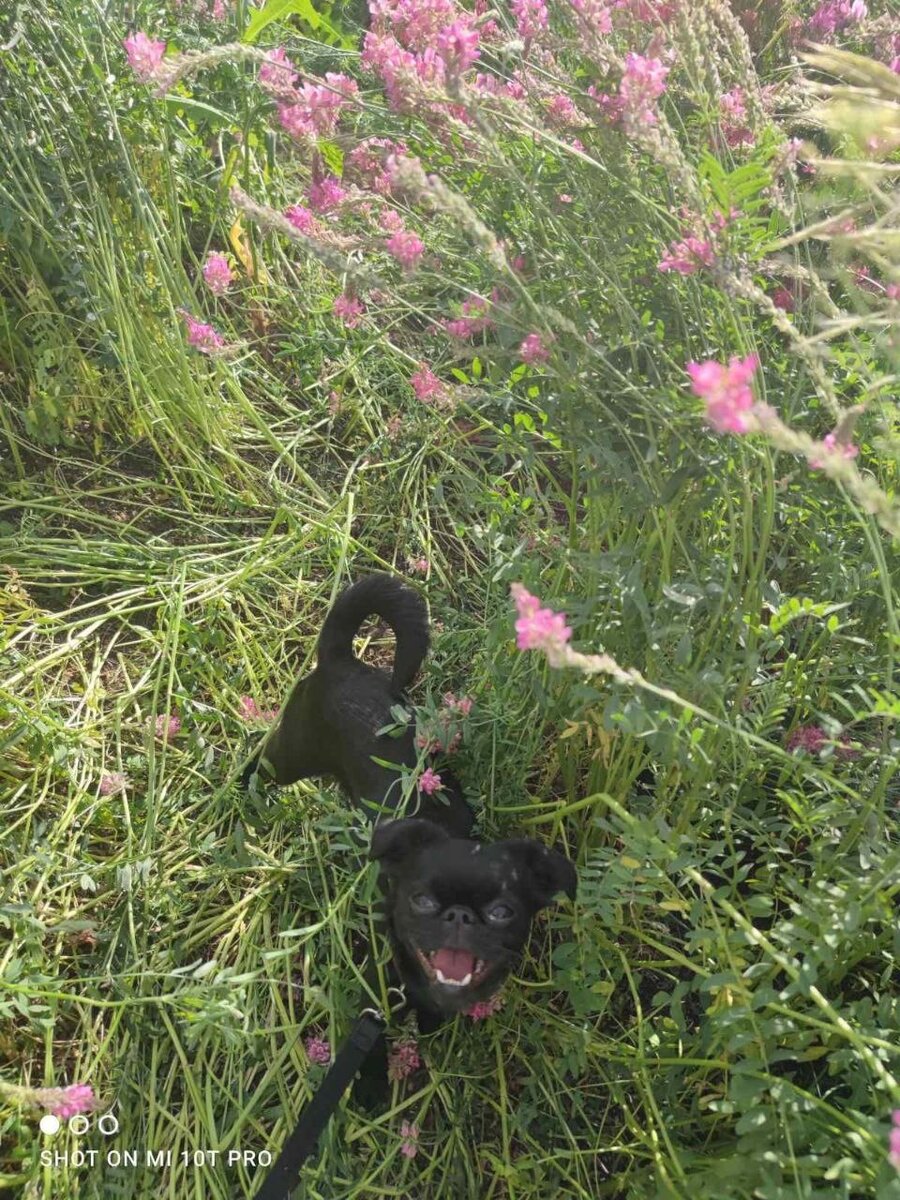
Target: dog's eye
column 423, row 903
column 500, row 914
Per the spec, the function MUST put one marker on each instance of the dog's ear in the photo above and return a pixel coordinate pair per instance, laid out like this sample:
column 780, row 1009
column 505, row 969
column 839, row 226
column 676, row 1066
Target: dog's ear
column 547, row 871
column 394, row 841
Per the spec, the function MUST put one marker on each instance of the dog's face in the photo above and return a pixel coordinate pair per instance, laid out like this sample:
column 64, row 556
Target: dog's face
column 460, row 911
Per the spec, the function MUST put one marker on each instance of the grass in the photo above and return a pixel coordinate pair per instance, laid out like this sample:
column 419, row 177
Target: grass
column 717, row 1014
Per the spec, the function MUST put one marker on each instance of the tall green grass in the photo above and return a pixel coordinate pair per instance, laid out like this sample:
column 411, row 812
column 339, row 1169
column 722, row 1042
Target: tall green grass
column 717, row 1015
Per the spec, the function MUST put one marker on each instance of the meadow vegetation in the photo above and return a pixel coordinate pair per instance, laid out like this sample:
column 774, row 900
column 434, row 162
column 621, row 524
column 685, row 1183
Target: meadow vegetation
column 595, row 297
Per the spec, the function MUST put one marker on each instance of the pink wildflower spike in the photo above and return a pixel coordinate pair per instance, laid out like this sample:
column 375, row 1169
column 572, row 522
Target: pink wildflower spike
column 734, row 119
column 348, row 309
column 532, row 18
column 482, row 1009
column 325, row 194
column 429, row 782
column 643, row 82
column 318, row 1050
column 201, row 335
column 463, row 705
column 167, row 725
column 68, row 1101
column 301, row 218
column 426, row 384
column 539, row 628
column 688, row 255
column 112, row 782
column 783, row 299
column 812, row 739
column 410, row 1135
column 594, row 15
column 532, row 350
column 830, row 442
column 277, row 75
column 144, row 55
column 403, row 1059
column 726, row 391
column 407, row 248
column 457, row 45
column 217, row 273
column 894, row 1140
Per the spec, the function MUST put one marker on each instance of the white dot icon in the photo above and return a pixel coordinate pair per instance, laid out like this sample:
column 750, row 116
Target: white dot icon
column 79, row 1124
column 49, row 1124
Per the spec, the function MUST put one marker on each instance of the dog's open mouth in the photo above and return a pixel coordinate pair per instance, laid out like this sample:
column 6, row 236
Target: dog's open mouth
column 453, row 968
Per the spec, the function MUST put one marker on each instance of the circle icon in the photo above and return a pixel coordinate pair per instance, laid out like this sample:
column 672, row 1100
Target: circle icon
column 49, row 1124
column 79, row 1124
column 109, row 1129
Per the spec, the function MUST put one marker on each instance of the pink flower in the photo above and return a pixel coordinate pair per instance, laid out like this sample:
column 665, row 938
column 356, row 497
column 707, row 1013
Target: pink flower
column 561, row 110
column 812, row 739
column 832, row 16
column 325, row 194
column 533, row 350
column 784, row 299
column 318, row 1050
column 473, row 320
column 369, row 160
column 594, row 15
column 643, row 82
column 301, row 218
column 406, row 248
column 892, row 291
column 391, row 220
column 726, row 390
column 314, row 109
column 217, row 273
column 202, row 336
column 348, row 309
column 894, row 1140
column 830, row 442
column 65, row 1102
column 426, row 384
column 167, row 725
column 463, row 705
column 482, row 1009
column 688, row 255
column 539, row 628
column 410, row 1135
column 403, row 1059
column 733, row 119
column 276, row 74
column 144, row 56
column 429, row 782
column 457, row 45
column 112, row 782
column 532, row 17
column 250, row 710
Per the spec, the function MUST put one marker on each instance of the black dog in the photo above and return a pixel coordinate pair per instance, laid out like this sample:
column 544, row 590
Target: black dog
column 459, row 911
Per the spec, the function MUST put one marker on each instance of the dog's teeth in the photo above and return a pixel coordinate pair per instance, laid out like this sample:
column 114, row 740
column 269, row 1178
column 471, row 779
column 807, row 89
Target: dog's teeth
column 453, row 982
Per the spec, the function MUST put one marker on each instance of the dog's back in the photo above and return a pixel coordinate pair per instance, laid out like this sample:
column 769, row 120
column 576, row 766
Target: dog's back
column 330, row 725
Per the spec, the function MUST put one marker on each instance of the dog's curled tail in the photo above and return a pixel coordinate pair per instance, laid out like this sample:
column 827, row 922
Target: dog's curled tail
column 402, row 608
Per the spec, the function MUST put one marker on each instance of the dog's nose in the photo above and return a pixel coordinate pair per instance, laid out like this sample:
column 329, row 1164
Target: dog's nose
column 459, row 915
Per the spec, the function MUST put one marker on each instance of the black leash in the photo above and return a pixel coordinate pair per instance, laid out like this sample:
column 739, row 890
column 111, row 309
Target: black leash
column 284, row 1175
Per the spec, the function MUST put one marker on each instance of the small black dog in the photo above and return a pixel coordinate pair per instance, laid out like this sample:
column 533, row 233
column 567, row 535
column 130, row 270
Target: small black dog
column 459, row 911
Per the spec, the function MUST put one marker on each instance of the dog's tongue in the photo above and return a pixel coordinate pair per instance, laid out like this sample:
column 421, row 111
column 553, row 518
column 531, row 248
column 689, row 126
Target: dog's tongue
column 453, row 964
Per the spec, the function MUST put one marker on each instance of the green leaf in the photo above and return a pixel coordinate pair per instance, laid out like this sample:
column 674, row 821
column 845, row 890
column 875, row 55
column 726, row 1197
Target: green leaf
column 197, row 110
column 278, row 10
